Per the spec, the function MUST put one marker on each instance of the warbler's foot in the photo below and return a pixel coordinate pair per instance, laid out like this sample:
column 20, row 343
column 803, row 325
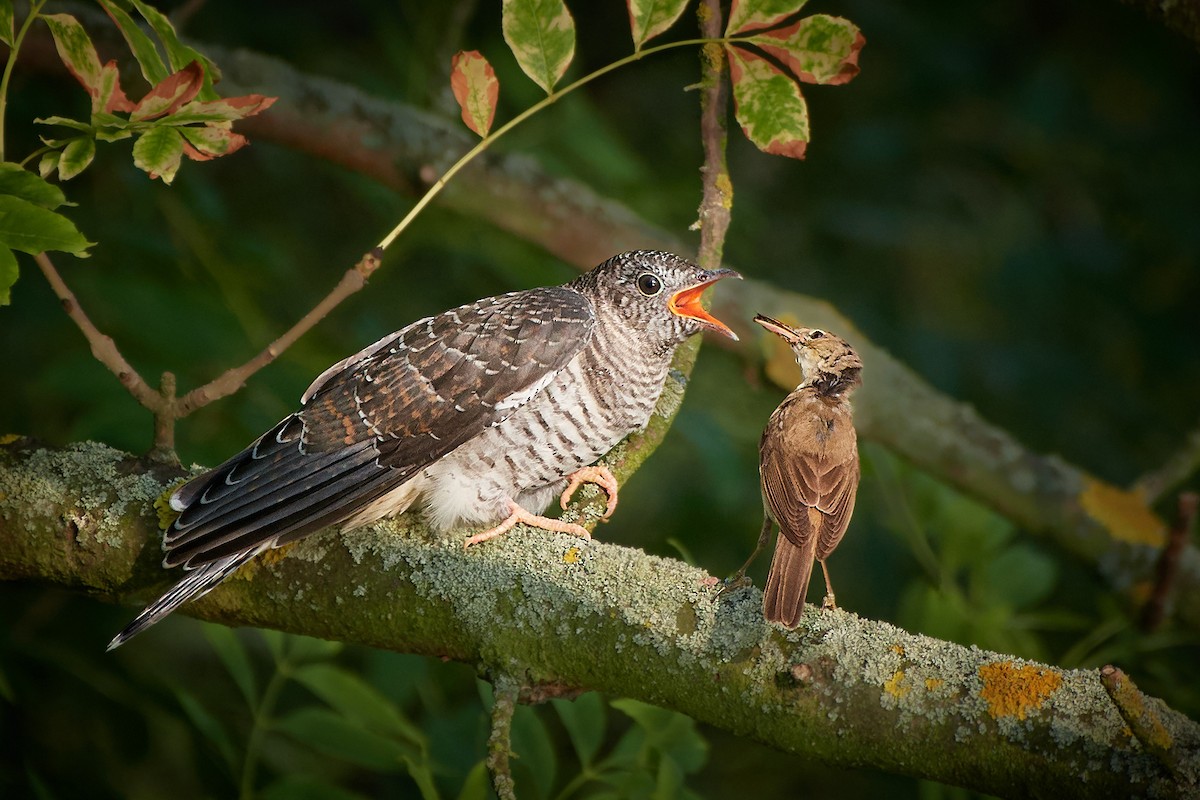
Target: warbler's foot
column 737, row 580
column 829, row 603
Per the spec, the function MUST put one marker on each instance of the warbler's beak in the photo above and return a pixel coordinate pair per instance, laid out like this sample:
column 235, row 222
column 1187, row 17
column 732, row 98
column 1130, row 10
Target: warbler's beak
column 686, row 302
column 786, row 332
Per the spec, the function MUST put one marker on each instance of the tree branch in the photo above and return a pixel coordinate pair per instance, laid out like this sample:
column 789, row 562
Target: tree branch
column 848, row 691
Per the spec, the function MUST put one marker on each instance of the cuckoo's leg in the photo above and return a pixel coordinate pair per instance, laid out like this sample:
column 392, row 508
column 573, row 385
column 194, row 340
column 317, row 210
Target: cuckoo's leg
column 597, row 475
column 830, row 601
column 738, row 579
column 518, row 514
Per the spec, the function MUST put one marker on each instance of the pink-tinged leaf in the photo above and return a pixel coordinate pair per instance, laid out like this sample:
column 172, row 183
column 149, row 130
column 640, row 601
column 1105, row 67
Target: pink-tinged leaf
column 110, row 98
column 171, row 94
column 817, row 49
column 207, row 142
column 158, row 151
column 752, row 15
column 227, row 109
column 476, row 89
column 541, row 34
column 649, row 18
column 75, row 49
column 768, row 105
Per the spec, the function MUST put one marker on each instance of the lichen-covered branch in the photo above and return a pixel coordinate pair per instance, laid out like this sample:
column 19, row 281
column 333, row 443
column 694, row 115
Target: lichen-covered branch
column 566, row 613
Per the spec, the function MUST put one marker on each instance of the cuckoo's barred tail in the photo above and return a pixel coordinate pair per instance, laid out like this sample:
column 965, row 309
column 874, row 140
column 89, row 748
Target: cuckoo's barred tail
column 196, row 583
column 787, row 582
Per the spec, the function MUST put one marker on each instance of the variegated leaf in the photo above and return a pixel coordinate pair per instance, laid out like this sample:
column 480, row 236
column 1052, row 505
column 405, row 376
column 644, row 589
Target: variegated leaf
column 109, row 96
column 206, row 142
column 75, row 49
column 817, row 49
column 76, row 157
column 768, row 105
column 752, row 15
column 649, row 18
column 6, row 22
column 476, row 89
column 158, row 152
column 541, row 34
column 140, row 44
column 171, row 93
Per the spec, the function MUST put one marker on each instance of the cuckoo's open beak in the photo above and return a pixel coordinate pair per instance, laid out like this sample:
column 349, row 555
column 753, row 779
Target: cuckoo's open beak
column 686, row 302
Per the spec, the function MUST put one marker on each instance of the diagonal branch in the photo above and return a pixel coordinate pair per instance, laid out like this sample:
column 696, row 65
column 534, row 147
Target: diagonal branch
column 849, row 691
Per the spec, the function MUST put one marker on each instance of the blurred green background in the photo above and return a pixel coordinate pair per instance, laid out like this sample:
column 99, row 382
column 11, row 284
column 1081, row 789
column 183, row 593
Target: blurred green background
column 1007, row 198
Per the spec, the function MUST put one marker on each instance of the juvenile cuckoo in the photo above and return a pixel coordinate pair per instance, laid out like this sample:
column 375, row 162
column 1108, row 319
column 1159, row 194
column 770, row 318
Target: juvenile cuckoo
column 481, row 414
column 808, row 466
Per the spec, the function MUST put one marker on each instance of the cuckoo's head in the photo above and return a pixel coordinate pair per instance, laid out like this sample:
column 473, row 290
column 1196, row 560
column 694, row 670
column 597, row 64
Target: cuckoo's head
column 656, row 294
column 829, row 363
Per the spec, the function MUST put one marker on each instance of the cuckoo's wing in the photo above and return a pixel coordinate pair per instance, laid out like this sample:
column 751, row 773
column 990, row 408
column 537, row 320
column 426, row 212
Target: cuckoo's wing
column 371, row 422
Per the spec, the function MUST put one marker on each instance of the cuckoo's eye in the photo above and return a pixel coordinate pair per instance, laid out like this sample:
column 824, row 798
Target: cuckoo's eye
column 649, row 284
column 816, row 333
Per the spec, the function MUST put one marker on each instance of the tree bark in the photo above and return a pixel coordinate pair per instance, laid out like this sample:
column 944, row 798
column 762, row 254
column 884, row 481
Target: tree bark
column 552, row 610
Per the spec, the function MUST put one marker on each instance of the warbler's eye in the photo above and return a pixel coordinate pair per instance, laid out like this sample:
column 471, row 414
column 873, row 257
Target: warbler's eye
column 649, row 284
column 816, row 333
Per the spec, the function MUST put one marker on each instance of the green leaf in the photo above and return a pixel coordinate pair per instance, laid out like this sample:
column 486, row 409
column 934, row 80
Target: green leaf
column 158, row 151
column 671, row 733
column 65, row 122
column 6, row 22
column 358, row 701
column 584, row 720
column 141, row 45
column 750, row 15
column 76, row 157
column 208, row 726
column 237, row 662
column 24, row 184
column 9, row 272
column 817, row 49
column 541, row 34
column 476, row 89
column 33, row 229
column 309, row 648
column 75, row 49
column 333, row 735
column 534, row 750
column 179, row 55
column 768, row 105
column 170, row 94
column 49, row 163
column 649, row 18
column 306, row 787
column 478, row 785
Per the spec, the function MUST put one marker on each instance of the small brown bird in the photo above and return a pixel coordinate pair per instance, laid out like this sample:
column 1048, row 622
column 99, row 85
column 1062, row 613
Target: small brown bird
column 808, row 463
column 482, row 414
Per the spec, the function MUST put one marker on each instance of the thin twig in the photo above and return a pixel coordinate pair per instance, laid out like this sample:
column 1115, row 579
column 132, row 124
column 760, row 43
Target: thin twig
column 1156, row 484
column 717, row 201
column 1167, row 570
column 233, row 379
column 1141, row 715
column 505, row 691
column 103, row 347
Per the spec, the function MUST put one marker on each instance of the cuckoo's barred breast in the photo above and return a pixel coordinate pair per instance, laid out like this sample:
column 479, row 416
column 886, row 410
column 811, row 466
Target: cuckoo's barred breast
column 469, row 412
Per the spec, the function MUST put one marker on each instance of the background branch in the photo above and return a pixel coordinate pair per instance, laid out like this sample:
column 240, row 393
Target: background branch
column 845, row 690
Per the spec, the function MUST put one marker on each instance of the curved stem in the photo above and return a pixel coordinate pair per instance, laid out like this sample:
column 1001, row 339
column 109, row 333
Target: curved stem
column 35, row 6
column 548, row 100
column 261, row 719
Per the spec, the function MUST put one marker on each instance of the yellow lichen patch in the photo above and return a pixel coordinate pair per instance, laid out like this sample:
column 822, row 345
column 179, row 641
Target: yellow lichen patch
column 895, row 685
column 898, row 649
column 571, row 556
column 9, row 438
column 1124, row 514
column 166, row 514
column 273, row 556
column 933, row 684
column 1012, row 691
